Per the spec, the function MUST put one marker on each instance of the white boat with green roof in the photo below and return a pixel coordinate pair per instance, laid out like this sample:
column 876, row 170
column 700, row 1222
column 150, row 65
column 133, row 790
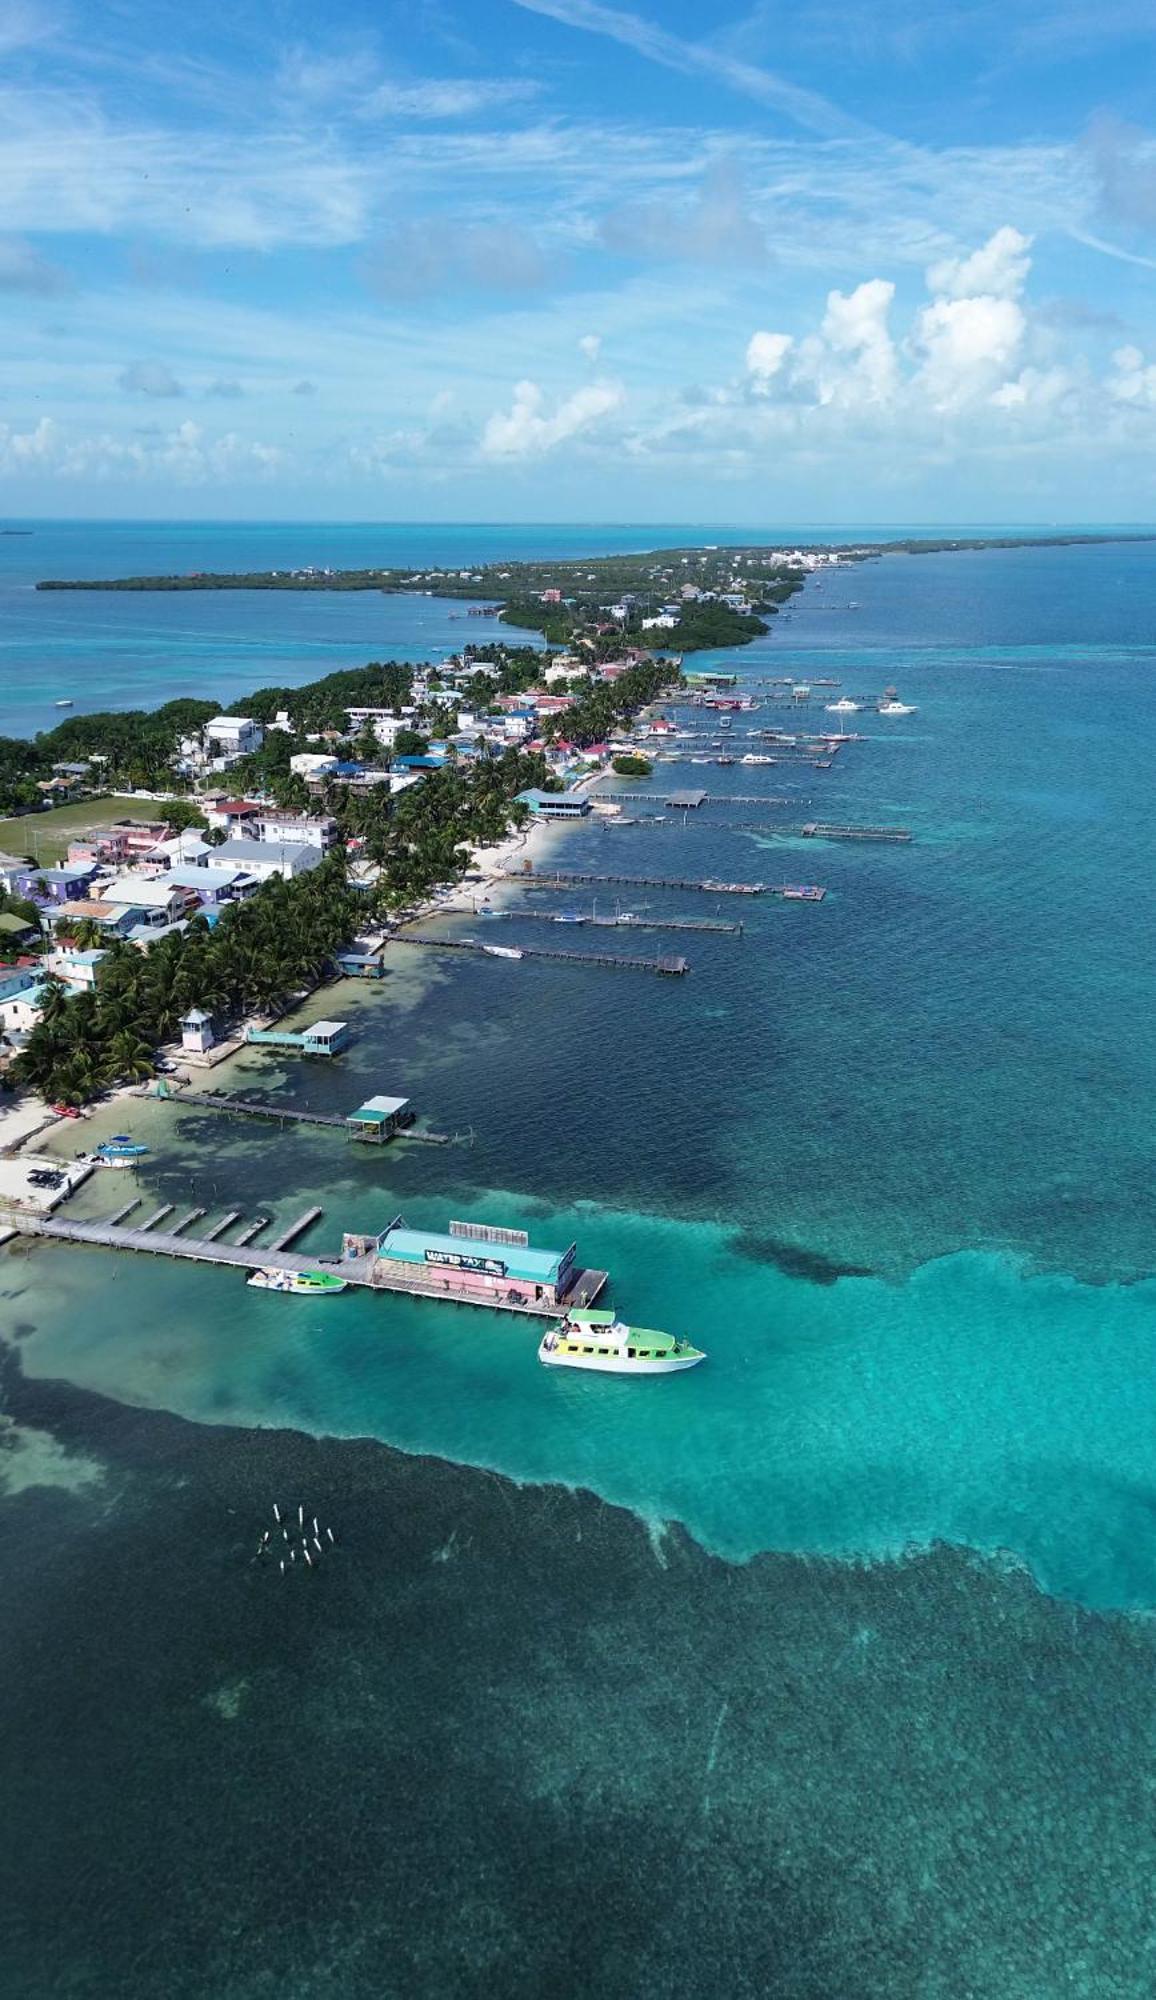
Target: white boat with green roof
column 604, row 1343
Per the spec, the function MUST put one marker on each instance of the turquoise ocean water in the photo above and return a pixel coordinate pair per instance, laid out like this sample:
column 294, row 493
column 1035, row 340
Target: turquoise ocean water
column 889, row 1159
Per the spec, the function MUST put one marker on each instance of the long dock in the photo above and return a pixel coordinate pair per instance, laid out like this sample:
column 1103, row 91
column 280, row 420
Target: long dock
column 670, row 967
column 791, row 892
column 366, row 1271
column 624, row 923
column 290, row 1114
column 819, row 830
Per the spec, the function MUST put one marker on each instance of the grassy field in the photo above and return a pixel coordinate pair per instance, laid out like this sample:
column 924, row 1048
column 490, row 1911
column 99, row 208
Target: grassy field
column 45, row 836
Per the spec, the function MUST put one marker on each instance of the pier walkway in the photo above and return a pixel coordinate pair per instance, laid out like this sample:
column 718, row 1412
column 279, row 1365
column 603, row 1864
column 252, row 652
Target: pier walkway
column 669, row 967
column 289, row 1114
column 364, row 1271
column 627, row 923
column 566, row 878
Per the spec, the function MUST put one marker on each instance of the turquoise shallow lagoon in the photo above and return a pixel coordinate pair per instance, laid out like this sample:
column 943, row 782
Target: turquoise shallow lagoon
column 890, row 1159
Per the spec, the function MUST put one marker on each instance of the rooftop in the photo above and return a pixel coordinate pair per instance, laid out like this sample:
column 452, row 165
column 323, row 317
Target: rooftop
column 537, row 1266
column 264, row 850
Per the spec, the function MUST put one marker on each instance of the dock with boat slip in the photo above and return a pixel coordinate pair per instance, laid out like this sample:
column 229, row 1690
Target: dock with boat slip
column 791, row 892
column 623, row 923
column 668, row 966
column 365, row 1271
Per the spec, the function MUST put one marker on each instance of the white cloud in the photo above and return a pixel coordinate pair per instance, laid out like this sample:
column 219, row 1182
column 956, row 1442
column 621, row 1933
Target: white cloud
column 187, row 455
column 999, row 268
column 1134, row 379
column 526, row 430
column 590, row 345
column 766, row 353
column 968, row 345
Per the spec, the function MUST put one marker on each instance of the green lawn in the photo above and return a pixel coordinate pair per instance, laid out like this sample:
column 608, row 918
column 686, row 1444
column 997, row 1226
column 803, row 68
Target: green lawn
column 45, row 836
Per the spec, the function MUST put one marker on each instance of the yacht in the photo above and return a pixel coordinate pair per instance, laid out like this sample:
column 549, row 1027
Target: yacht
column 897, row 708
column 605, row 1344
column 304, row 1284
column 845, row 706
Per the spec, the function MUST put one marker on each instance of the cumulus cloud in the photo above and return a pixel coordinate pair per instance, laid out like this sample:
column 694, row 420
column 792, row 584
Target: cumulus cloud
column 149, row 378
column 24, row 269
column 527, row 428
column 968, row 346
column 187, row 455
column 998, row 269
column 1133, row 379
column 766, row 353
column 590, row 345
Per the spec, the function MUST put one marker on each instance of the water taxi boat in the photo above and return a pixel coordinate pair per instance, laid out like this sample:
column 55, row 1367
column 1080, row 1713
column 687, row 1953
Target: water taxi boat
column 896, row 708
column 845, row 706
column 502, row 950
column 603, row 1343
column 304, row 1284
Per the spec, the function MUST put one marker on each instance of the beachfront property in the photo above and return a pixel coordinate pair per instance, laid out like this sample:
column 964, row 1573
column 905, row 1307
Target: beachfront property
column 554, row 805
column 213, row 886
column 264, row 858
column 320, row 1038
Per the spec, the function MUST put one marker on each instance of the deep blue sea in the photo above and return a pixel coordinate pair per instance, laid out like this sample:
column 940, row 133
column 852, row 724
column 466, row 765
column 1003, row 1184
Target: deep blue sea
column 891, row 1160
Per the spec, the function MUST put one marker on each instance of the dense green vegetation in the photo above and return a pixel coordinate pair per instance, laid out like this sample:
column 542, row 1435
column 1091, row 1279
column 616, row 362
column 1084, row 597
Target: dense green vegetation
column 322, row 704
column 260, row 953
column 602, row 706
column 630, row 766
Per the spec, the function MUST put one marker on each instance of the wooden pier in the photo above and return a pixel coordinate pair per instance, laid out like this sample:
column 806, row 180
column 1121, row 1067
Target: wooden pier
column 792, row 892
column 364, row 1271
column 226, row 1222
column 184, row 1222
column 566, row 879
column 296, row 1229
column 627, row 924
column 127, row 1209
column 246, row 1235
column 669, row 967
column 290, row 1114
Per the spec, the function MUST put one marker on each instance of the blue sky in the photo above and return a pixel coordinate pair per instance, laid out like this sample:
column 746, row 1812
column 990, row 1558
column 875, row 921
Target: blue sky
column 553, row 259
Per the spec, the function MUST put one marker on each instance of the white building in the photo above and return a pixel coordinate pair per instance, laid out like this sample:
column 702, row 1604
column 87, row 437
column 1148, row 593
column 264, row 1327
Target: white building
column 265, row 858
column 233, row 736
column 385, row 723
column 663, row 621
column 288, row 829
column 312, row 764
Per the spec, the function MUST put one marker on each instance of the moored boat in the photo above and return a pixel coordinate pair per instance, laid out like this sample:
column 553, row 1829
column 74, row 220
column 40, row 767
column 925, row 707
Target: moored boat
column 304, row 1284
column 604, row 1344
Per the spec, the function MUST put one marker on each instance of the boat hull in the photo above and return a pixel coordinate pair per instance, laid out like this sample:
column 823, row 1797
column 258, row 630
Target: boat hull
column 613, row 1364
